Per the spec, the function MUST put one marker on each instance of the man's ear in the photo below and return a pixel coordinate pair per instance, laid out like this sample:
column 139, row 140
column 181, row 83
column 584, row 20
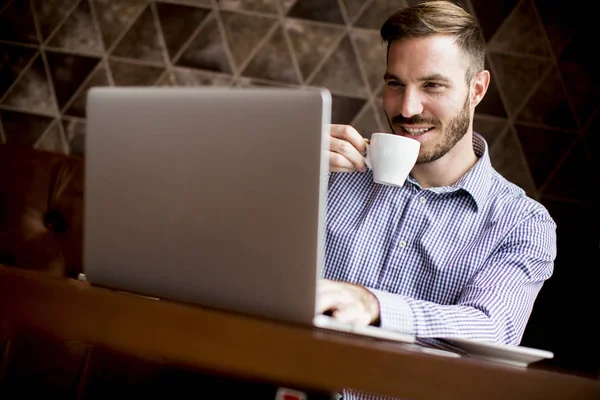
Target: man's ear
column 481, row 82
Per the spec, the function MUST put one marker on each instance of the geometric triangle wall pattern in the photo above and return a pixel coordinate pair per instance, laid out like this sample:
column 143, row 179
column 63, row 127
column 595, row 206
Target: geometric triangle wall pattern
column 54, row 51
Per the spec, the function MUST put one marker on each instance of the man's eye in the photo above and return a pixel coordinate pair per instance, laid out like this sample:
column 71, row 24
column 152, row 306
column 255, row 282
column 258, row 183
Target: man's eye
column 433, row 85
column 393, row 83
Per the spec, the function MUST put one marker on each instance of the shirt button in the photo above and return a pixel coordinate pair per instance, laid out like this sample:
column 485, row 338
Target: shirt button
column 422, row 200
column 402, row 243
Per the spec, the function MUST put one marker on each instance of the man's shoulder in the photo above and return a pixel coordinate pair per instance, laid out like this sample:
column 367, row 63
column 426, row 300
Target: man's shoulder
column 511, row 199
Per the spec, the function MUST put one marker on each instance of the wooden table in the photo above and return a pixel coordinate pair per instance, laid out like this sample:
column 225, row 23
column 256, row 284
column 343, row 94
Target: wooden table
column 257, row 349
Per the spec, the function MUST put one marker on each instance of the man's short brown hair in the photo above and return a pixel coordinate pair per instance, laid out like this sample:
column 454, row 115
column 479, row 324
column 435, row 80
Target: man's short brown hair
column 439, row 17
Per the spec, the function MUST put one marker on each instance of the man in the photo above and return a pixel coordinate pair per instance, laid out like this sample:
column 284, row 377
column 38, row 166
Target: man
column 458, row 250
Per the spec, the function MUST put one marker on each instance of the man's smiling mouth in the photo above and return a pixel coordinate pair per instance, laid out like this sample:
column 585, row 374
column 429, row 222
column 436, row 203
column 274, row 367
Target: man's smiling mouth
column 416, row 131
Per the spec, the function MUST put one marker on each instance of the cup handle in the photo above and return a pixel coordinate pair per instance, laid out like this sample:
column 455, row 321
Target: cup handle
column 368, row 157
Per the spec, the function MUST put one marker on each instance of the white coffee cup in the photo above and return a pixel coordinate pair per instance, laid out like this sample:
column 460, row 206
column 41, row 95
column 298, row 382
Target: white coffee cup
column 391, row 158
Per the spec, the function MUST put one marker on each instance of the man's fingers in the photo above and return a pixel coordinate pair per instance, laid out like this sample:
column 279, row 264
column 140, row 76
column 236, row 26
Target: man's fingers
column 351, row 135
column 344, row 155
column 347, row 302
column 325, row 296
column 331, row 296
column 339, row 163
column 351, row 314
column 327, row 301
column 347, row 147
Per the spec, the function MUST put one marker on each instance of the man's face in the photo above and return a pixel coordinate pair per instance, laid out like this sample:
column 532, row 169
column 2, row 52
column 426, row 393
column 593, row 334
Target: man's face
column 426, row 96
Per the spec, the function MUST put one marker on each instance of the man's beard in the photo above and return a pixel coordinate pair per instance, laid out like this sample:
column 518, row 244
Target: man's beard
column 452, row 133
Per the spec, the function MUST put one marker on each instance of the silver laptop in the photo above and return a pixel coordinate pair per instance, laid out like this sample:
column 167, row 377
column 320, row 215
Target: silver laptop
column 211, row 196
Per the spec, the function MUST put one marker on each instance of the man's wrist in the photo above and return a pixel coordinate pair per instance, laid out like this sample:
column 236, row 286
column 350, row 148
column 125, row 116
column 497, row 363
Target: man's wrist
column 395, row 312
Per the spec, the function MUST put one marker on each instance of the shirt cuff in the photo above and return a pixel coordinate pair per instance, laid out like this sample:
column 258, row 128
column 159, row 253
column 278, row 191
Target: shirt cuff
column 394, row 312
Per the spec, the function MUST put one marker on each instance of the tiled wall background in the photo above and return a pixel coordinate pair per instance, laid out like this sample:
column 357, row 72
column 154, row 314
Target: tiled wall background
column 540, row 115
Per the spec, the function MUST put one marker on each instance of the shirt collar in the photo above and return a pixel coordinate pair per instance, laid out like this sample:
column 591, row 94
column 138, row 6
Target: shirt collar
column 478, row 180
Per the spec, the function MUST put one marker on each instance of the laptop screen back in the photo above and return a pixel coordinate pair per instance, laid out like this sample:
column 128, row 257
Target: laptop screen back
column 210, row 196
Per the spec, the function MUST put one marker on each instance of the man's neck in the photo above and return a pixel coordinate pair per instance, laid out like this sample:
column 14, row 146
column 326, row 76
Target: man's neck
column 450, row 168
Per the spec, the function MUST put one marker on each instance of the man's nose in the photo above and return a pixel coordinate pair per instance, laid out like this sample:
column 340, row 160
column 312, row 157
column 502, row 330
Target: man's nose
column 411, row 103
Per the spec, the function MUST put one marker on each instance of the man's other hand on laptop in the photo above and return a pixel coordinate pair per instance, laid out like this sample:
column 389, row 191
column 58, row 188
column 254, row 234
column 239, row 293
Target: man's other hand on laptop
column 347, row 302
column 347, row 149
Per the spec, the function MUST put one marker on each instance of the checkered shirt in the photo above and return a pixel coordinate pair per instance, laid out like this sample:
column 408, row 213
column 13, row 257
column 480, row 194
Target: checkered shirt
column 466, row 260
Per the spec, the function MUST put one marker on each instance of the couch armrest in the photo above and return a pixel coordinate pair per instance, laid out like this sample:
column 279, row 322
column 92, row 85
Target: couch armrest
column 41, row 210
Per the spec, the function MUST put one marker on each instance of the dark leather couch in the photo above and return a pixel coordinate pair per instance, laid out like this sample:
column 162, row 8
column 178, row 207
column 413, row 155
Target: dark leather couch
column 41, row 210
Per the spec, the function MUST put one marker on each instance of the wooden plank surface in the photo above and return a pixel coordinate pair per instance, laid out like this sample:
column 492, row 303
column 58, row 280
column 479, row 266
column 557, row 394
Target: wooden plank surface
column 252, row 348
